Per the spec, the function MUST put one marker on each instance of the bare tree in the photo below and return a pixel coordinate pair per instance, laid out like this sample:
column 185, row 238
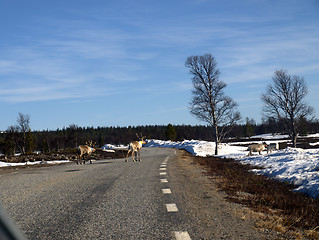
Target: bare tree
column 209, row 103
column 24, row 128
column 284, row 101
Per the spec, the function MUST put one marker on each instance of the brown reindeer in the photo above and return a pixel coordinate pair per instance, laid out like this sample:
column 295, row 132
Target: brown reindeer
column 135, row 147
column 83, row 150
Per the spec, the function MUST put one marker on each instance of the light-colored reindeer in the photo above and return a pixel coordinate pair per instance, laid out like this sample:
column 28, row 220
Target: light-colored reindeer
column 135, row 147
column 272, row 146
column 83, row 150
column 257, row 148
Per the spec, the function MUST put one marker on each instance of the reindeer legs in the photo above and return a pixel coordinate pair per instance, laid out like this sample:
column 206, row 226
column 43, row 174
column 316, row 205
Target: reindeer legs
column 139, row 155
column 135, row 148
column 128, row 152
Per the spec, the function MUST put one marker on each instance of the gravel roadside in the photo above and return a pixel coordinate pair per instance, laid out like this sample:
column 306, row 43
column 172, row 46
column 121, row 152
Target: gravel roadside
column 213, row 217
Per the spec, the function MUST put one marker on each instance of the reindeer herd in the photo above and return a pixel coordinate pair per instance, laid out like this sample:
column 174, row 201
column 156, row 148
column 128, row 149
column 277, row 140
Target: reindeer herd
column 84, row 151
column 261, row 147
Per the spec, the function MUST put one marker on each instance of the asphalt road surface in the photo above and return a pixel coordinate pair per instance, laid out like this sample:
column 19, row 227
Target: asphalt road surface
column 161, row 197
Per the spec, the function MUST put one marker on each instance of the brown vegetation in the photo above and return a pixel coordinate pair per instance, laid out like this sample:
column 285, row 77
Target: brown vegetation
column 280, row 208
column 67, row 154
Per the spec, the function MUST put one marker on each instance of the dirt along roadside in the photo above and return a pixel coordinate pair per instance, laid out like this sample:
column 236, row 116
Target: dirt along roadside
column 206, row 206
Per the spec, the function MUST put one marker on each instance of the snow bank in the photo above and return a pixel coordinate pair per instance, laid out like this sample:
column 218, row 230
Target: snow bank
column 200, row 148
column 293, row 165
column 195, row 147
column 6, row 164
column 271, row 136
column 111, row 148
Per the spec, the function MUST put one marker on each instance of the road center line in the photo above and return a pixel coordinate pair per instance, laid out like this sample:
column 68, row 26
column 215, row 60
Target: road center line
column 171, row 207
column 166, row 191
column 182, row 236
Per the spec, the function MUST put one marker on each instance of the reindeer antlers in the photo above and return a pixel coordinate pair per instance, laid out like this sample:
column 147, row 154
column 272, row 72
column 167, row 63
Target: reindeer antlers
column 90, row 143
column 140, row 137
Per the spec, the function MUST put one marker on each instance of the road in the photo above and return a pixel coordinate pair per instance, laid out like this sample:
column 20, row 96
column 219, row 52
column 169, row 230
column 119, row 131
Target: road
column 161, row 197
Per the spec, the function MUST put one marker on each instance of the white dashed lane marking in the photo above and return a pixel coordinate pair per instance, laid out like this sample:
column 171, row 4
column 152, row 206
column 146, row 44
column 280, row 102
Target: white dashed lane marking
column 166, row 191
column 171, row 207
column 182, row 236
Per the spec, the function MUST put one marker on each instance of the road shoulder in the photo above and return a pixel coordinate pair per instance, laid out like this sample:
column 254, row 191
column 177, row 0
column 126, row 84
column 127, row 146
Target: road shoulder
column 213, row 217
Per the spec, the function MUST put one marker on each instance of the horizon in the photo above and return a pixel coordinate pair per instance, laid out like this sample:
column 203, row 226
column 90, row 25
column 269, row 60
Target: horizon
column 121, row 63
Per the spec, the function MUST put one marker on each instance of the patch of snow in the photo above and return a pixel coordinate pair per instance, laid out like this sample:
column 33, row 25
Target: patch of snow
column 293, row 165
column 6, row 164
column 271, row 136
column 316, row 135
column 108, row 147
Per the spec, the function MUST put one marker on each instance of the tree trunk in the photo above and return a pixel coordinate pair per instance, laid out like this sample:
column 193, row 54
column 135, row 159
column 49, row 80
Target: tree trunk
column 216, row 140
column 24, row 143
column 295, row 141
column 294, row 132
column 294, row 138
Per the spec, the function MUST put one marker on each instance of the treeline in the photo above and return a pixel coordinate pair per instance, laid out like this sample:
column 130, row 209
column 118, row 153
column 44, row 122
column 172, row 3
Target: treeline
column 73, row 135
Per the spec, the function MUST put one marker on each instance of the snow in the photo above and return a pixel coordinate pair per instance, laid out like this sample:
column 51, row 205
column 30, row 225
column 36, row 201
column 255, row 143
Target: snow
column 293, row 165
column 110, row 147
column 271, row 136
column 316, row 135
column 7, row 164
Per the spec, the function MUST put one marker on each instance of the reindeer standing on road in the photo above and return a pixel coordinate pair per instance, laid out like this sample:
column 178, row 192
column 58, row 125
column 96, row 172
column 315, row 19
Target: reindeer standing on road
column 83, row 150
column 135, row 147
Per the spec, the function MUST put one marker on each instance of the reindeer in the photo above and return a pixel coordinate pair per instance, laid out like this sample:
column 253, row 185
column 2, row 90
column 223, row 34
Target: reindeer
column 134, row 147
column 272, row 146
column 87, row 149
column 257, row 148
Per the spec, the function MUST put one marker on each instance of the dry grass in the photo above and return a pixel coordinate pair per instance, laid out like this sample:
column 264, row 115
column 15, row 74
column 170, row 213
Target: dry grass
column 282, row 209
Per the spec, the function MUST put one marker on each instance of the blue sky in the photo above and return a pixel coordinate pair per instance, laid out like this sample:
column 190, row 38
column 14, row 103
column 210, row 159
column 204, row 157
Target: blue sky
column 121, row 63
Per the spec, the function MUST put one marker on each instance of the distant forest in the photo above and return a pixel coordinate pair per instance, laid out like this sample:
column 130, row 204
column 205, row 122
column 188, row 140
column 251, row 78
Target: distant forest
column 73, row 135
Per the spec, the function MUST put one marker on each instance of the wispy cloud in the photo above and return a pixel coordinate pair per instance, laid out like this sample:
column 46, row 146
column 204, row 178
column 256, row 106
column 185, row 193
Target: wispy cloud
column 84, row 52
column 252, row 57
column 56, row 68
column 33, row 74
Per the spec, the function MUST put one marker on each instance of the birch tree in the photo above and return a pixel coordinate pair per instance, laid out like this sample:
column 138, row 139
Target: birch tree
column 24, row 127
column 284, row 100
column 209, row 103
